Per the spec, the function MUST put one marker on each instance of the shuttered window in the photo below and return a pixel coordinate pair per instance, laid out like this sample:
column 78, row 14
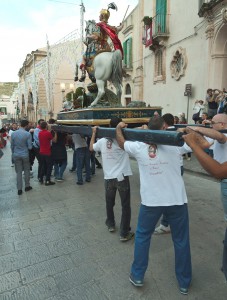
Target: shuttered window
column 127, row 48
column 160, row 20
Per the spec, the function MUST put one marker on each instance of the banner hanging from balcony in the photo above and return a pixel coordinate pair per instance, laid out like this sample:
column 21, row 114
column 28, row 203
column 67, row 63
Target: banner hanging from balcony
column 148, row 35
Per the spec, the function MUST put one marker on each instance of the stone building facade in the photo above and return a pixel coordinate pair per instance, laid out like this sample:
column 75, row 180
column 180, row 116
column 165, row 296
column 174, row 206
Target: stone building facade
column 185, row 45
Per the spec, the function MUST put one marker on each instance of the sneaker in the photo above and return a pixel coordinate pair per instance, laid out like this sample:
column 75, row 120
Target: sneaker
column 49, row 183
column 28, row 188
column 161, row 229
column 59, row 179
column 88, row 180
column 111, row 228
column 128, row 237
column 183, row 291
column 137, row 283
column 19, row 192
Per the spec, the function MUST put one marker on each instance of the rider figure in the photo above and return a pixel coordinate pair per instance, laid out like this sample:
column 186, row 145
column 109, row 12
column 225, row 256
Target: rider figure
column 106, row 31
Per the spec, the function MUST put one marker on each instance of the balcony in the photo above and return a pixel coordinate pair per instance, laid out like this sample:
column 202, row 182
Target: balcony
column 160, row 26
column 207, row 5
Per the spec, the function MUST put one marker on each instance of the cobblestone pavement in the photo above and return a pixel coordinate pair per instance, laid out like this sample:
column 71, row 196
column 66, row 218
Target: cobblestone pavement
column 54, row 244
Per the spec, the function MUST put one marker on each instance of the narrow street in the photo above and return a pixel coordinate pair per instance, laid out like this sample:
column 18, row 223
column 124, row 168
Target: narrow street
column 54, row 244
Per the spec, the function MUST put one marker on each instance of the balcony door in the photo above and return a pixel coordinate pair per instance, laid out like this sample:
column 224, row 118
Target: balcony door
column 160, row 24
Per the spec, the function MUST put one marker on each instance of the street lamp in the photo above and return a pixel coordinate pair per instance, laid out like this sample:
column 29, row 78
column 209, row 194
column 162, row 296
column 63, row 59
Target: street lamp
column 62, row 87
column 71, row 86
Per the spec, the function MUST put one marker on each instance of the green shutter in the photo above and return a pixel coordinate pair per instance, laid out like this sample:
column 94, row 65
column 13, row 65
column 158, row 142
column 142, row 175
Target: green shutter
column 129, row 53
column 125, row 52
column 160, row 22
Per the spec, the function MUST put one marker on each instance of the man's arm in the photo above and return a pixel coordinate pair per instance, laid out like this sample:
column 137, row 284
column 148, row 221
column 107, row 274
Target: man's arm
column 92, row 141
column 119, row 135
column 212, row 133
column 216, row 169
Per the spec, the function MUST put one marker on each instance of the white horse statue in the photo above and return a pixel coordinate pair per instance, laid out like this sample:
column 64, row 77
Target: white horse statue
column 104, row 66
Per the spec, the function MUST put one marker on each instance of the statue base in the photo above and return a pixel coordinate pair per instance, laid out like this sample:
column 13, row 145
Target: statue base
column 101, row 116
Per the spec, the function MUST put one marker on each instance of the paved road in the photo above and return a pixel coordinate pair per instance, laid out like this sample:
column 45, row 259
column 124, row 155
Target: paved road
column 54, row 244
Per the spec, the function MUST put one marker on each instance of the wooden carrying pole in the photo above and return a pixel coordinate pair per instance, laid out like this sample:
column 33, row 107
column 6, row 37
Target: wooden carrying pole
column 162, row 137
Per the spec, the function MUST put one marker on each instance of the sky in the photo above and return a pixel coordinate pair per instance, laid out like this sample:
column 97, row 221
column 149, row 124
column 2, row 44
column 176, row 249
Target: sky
column 26, row 24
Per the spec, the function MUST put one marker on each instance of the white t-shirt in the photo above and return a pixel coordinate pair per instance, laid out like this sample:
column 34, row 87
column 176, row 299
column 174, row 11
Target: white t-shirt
column 115, row 160
column 161, row 183
column 220, row 151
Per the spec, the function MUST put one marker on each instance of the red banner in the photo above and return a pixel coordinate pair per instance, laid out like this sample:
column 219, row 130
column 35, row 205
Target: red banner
column 148, row 30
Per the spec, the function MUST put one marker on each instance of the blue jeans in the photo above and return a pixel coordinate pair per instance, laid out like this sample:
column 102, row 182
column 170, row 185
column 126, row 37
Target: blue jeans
column 123, row 187
column 224, row 260
column 224, row 196
column 59, row 169
column 93, row 162
column 164, row 220
column 83, row 159
column 179, row 224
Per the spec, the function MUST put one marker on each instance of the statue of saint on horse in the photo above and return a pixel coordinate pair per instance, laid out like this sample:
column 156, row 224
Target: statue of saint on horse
column 97, row 36
column 99, row 60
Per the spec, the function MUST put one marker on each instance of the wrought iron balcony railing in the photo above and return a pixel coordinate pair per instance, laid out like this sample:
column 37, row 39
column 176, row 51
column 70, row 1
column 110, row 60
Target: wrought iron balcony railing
column 160, row 25
column 206, row 5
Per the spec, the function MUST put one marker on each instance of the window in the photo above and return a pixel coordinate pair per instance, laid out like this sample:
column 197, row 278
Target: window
column 128, row 94
column 159, row 65
column 178, row 64
column 127, row 47
column 160, row 19
column 3, row 111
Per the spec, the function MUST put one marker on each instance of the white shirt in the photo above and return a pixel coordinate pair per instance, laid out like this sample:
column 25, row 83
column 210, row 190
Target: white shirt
column 198, row 107
column 220, row 151
column 161, row 183
column 79, row 142
column 115, row 161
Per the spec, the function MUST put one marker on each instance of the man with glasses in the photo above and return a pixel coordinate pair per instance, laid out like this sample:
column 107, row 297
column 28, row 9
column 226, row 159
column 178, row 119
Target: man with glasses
column 219, row 122
column 216, row 169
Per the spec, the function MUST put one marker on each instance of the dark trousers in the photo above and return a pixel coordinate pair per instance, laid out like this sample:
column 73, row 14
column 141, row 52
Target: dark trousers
column 37, row 155
column 123, row 187
column 83, row 159
column 46, row 165
column 224, row 261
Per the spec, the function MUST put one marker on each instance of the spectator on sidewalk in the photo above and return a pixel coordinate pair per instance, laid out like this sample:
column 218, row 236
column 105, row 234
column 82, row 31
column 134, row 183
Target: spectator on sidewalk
column 217, row 168
column 116, row 169
column 162, row 191
column 36, row 147
column 46, row 160
column 59, row 154
column 82, row 158
column 13, row 128
column 21, row 143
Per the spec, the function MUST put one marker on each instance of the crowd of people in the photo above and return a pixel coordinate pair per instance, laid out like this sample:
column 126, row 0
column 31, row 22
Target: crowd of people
column 157, row 164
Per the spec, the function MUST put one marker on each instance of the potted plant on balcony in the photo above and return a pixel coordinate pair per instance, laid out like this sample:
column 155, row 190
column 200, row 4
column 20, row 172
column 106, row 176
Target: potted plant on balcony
column 147, row 20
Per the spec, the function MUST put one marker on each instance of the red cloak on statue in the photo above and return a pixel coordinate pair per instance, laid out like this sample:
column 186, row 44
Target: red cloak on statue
column 112, row 34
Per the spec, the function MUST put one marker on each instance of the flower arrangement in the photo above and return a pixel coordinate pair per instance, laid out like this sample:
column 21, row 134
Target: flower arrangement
column 147, row 20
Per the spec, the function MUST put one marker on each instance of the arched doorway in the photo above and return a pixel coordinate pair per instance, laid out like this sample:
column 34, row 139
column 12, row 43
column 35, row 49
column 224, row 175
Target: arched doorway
column 128, row 94
column 219, row 58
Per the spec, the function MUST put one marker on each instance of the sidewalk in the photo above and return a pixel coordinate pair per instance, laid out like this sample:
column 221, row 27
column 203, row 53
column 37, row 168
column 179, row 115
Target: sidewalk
column 54, row 244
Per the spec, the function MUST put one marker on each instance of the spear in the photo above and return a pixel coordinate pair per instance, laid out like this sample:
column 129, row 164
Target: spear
column 125, row 14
